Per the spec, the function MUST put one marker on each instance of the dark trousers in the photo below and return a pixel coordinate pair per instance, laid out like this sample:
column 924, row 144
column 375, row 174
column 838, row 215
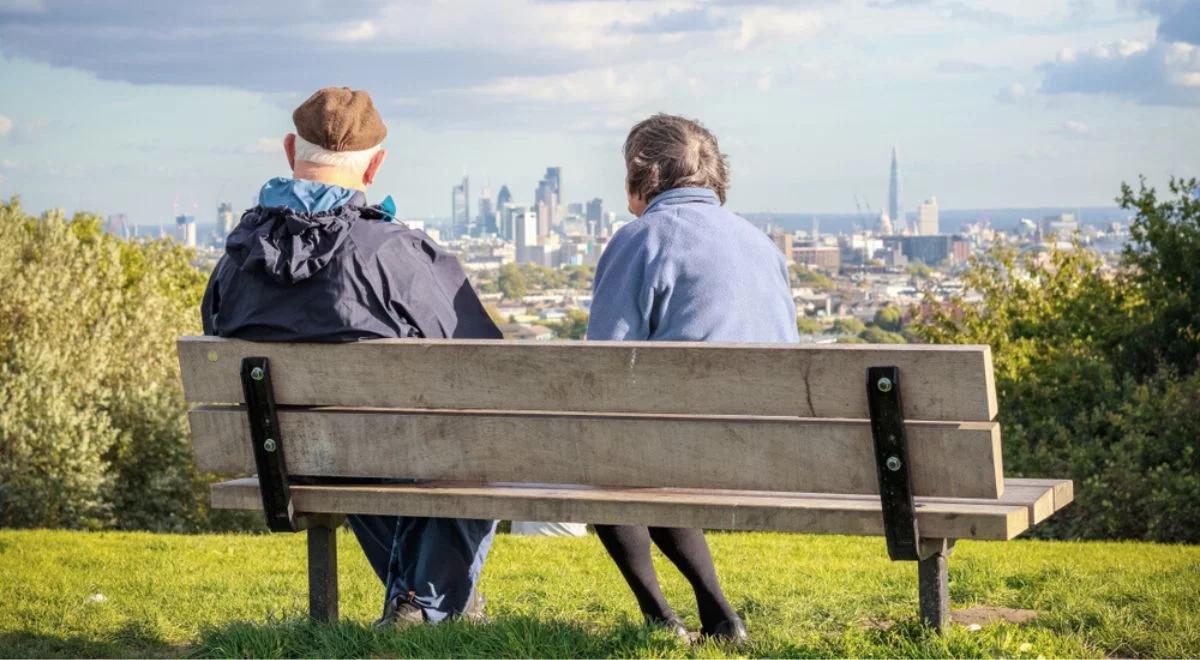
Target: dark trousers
column 433, row 562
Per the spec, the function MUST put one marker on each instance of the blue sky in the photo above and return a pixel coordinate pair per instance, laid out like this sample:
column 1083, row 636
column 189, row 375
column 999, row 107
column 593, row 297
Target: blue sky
column 136, row 107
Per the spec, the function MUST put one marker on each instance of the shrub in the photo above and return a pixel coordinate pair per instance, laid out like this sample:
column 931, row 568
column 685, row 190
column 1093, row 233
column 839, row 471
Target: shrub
column 1073, row 401
column 846, row 326
column 92, row 431
column 876, row 335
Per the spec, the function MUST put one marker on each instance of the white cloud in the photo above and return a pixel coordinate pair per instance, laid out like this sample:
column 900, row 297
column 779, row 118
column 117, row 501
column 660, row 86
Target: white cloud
column 264, row 145
column 6, row 125
column 1154, row 73
column 767, row 25
column 361, row 31
column 1013, row 93
column 1074, row 127
column 606, row 85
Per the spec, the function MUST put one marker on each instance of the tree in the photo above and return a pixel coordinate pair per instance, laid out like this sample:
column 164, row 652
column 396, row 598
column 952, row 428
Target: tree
column 847, row 326
column 1164, row 253
column 918, row 270
column 580, row 277
column 875, row 335
column 572, row 327
column 1061, row 328
column 511, row 282
column 807, row 326
column 889, row 318
column 542, row 277
column 92, row 427
column 803, row 276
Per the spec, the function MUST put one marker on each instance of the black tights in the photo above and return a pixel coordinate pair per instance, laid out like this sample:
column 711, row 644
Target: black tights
column 629, row 546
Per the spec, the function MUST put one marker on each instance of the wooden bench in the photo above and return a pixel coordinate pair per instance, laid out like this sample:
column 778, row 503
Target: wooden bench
column 894, row 440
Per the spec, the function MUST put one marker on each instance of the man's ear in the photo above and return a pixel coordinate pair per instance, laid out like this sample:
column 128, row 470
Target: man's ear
column 373, row 167
column 289, row 148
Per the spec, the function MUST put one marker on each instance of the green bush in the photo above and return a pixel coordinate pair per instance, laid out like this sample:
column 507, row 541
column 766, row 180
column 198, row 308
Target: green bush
column 92, row 430
column 877, row 335
column 846, row 326
column 1072, row 401
column 889, row 317
column 808, row 326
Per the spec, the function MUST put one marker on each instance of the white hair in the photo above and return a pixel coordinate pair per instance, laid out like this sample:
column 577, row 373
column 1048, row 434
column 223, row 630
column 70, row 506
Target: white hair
column 355, row 161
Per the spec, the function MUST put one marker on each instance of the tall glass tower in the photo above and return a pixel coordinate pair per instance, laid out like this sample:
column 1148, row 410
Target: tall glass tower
column 894, row 209
column 460, row 209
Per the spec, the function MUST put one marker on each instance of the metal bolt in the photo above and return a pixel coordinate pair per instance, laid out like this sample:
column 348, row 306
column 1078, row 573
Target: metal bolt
column 256, row 373
column 893, row 463
column 269, row 445
column 884, row 384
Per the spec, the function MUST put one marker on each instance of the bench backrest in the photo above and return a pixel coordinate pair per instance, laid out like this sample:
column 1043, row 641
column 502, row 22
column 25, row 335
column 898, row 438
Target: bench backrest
column 637, row 414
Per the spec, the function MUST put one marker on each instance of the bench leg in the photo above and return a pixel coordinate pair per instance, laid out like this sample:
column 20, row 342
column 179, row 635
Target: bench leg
column 322, row 573
column 934, row 583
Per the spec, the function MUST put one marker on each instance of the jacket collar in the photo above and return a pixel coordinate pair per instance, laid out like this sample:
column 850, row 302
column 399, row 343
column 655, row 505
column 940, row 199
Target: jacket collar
column 683, row 196
column 304, row 196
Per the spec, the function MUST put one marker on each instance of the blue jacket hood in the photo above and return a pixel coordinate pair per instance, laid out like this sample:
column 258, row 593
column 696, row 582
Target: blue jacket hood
column 288, row 245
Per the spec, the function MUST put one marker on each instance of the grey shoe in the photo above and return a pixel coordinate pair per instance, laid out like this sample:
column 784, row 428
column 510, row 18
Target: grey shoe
column 400, row 614
column 474, row 612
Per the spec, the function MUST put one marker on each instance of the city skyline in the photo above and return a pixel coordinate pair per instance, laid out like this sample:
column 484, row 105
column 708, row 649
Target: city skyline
column 994, row 104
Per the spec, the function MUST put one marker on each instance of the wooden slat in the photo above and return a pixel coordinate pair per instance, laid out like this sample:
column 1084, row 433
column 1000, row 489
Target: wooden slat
column 658, row 507
column 1062, row 490
column 944, row 383
column 766, row 454
column 1036, row 495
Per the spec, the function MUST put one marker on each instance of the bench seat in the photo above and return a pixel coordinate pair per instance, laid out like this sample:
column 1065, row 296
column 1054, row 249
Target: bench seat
column 1025, row 503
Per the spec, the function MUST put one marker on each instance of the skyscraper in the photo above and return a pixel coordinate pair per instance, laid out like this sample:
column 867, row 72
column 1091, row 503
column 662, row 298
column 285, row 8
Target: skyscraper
column 554, row 176
column 895, row 212
column 487, row 213
column 595, row 217
column 549, row 192
column 504, row 197
column 185, row 227
column 460, row 209
column 545, row 217
column 525, row 231
column 225, row 218
column 927, row 218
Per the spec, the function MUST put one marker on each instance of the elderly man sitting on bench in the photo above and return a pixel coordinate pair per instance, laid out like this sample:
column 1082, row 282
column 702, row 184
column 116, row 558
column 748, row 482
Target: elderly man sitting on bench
column 314, row 262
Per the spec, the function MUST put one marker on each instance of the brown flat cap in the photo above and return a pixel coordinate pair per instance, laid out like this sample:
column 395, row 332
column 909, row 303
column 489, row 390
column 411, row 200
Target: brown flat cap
column 340, row 119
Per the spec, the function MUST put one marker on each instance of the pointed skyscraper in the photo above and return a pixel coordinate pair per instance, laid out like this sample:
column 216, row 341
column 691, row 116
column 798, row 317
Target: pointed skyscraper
column 894, row 209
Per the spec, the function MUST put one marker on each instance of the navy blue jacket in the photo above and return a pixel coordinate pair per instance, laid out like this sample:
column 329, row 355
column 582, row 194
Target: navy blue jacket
column 335, row 276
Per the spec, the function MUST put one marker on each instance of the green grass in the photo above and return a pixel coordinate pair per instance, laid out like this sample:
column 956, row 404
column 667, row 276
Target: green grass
column 242, row 595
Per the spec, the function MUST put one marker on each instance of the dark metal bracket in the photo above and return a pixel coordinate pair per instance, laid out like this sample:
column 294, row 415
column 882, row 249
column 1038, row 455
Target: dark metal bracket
column 891, row 463
column 268, row 447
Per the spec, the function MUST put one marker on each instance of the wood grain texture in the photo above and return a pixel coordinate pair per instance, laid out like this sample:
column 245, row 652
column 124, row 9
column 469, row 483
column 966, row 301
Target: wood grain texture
column 762, row 454
column 1042, row 497
column 658, row 507
column 943, row 383
column 1062, row 490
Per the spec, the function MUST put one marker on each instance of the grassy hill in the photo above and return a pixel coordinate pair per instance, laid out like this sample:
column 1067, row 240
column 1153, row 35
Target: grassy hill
column 134, row 594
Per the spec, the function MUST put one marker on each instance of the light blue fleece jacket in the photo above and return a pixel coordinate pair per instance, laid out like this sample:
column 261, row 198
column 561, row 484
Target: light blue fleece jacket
column 690, row 270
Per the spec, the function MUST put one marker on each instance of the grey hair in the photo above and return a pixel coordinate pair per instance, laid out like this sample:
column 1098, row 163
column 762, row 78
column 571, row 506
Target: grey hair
column 356, row 161
column 667, row 151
